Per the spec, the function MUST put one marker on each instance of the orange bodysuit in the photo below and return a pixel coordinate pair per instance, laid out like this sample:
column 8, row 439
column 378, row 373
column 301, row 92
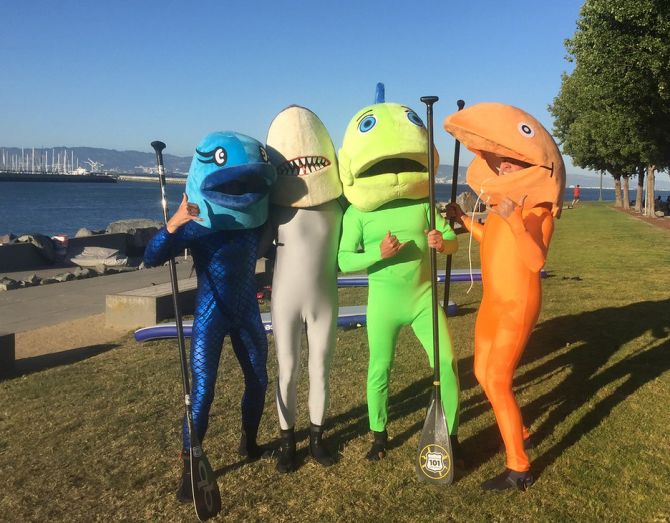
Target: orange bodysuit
column 513, row 249
column 512, row 253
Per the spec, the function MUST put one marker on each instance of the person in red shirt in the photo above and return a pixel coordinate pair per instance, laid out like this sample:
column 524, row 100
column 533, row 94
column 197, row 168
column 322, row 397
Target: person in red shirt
column 576, row 193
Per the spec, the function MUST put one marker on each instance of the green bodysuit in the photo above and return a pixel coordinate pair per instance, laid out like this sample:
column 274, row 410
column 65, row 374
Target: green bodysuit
column 399, row 294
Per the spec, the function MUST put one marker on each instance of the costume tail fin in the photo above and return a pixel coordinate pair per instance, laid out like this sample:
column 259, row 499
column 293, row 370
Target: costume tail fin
column 380, row 94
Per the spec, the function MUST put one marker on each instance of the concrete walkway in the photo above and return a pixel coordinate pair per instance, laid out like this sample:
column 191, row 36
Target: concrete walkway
column 36, row 307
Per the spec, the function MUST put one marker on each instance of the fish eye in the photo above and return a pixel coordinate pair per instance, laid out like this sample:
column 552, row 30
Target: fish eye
column 414, row 118
column 264, row 154
column 220, row 156
column 525, row 130
column 367, row 123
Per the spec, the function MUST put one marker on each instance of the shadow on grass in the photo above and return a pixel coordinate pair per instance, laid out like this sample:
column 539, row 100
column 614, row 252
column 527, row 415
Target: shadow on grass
column 598, row 336
column 409, row 400
column 347, row 426
column 25, row 366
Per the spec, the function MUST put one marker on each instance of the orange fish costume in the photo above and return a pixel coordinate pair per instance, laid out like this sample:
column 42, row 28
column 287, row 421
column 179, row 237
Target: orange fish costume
column 514, row 242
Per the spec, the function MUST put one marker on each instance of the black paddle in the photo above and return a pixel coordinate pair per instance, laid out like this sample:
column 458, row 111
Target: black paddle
column 434, row 462
column 206, row 496
column 454, row 187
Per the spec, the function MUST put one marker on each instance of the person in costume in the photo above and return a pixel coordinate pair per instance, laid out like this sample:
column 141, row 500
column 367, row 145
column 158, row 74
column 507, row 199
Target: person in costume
column 306, row 218
column 518, row 171
column 220, row 221
column 384, row 172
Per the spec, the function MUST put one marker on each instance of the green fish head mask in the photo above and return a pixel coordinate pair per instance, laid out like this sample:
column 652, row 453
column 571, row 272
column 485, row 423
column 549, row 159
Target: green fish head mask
column 384, row 156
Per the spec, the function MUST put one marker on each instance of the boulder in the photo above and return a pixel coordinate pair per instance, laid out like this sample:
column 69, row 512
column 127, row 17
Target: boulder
column 82, row 273
column 8, row 284
column 466, row 200
column 32, row 280
column 140, row 231
column 7, row 238
column 84, row 232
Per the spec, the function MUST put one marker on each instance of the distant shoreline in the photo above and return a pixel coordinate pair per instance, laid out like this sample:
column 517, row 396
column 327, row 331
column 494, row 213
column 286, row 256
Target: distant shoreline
column 65, row 178
column 140, row 178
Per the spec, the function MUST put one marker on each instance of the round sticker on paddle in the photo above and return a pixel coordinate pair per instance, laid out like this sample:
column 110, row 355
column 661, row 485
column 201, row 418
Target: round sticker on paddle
column 434, row 461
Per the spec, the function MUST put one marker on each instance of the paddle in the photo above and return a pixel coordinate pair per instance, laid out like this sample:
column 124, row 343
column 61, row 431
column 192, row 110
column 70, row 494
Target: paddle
column 454, row 187
column 434, row 463
column 206, row 496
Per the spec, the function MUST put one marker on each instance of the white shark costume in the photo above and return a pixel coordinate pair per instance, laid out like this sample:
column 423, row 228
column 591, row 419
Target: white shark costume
column 307, row 217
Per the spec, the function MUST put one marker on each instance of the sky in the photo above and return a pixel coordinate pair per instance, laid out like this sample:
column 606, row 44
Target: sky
column 119, row 74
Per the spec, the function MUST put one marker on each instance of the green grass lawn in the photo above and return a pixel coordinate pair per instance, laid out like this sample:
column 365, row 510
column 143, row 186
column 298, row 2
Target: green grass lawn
column 97, row 440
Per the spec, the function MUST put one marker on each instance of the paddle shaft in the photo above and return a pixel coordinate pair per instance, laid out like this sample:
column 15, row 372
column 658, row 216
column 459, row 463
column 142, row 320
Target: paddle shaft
column 158, row 147
column 454, row 188
column 429, row 101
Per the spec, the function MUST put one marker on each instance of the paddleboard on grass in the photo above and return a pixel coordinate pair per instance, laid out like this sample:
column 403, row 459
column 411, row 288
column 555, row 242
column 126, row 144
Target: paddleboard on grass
column 351, row 316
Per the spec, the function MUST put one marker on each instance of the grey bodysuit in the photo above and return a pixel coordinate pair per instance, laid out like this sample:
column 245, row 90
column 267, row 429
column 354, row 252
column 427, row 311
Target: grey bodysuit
column 304, row 293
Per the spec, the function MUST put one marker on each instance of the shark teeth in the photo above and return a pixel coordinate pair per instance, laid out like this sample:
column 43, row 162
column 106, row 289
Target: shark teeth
column 303, row 165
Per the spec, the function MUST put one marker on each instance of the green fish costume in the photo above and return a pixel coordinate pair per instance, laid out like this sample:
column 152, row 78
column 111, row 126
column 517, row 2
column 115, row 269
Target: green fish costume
column 384, row 172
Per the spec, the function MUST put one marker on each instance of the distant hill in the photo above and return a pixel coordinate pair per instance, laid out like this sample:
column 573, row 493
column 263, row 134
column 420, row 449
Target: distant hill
column 445, row 173
column 662, row 181
column 137, row 162
column 111, row 159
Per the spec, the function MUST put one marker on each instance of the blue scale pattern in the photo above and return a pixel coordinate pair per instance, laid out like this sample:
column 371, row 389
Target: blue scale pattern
column 226, row 305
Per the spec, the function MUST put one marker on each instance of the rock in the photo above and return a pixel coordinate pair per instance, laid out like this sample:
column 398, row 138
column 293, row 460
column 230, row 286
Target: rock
column 130, row 226
column 7, row 238
column 119, row 269
column 141, row 231
column 467, row 201
column 65, row 276
column 83, row 232
column 8, row 284
column 101, row 269
column 47, row 281
column 32, row 280
column 82, row 273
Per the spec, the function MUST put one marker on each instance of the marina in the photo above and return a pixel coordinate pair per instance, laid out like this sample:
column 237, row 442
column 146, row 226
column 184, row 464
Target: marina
column 48, row 177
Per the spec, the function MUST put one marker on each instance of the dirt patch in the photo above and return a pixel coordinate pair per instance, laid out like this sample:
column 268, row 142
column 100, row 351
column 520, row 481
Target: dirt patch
column 71, row 335
column 663, row 223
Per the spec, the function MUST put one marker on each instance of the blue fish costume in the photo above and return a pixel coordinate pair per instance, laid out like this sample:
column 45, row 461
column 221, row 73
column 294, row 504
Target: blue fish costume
column 230, row 180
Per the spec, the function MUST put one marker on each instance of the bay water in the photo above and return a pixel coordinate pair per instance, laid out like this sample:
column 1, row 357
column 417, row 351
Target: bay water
column 63, row 208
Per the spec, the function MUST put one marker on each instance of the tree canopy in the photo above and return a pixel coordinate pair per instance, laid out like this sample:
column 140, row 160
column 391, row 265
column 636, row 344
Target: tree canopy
column 613, row 110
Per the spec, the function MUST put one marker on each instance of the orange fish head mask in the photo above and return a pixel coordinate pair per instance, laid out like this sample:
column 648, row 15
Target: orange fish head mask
column 494, row 132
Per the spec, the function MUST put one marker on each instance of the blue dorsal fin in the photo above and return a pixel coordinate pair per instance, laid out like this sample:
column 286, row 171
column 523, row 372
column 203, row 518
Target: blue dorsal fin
column 380, row 94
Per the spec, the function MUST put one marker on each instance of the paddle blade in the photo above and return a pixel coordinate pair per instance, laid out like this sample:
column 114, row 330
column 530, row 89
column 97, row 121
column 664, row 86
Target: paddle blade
column 206, row 496
column 434, row 461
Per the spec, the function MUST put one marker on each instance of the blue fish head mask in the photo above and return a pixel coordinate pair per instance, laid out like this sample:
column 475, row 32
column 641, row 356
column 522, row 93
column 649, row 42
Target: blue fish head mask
column 230, row 180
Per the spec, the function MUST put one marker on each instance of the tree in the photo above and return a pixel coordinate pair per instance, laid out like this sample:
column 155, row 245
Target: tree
column 613, row 111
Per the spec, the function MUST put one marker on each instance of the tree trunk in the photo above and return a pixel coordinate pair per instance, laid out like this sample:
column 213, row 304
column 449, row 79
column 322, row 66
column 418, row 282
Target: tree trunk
column 626, row 194
column 640, row 189
column 651, row 181
column 617, row 190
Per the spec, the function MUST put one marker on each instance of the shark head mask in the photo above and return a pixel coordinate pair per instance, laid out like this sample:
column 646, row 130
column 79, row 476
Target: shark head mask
column 230, row 180
column 300, row 147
